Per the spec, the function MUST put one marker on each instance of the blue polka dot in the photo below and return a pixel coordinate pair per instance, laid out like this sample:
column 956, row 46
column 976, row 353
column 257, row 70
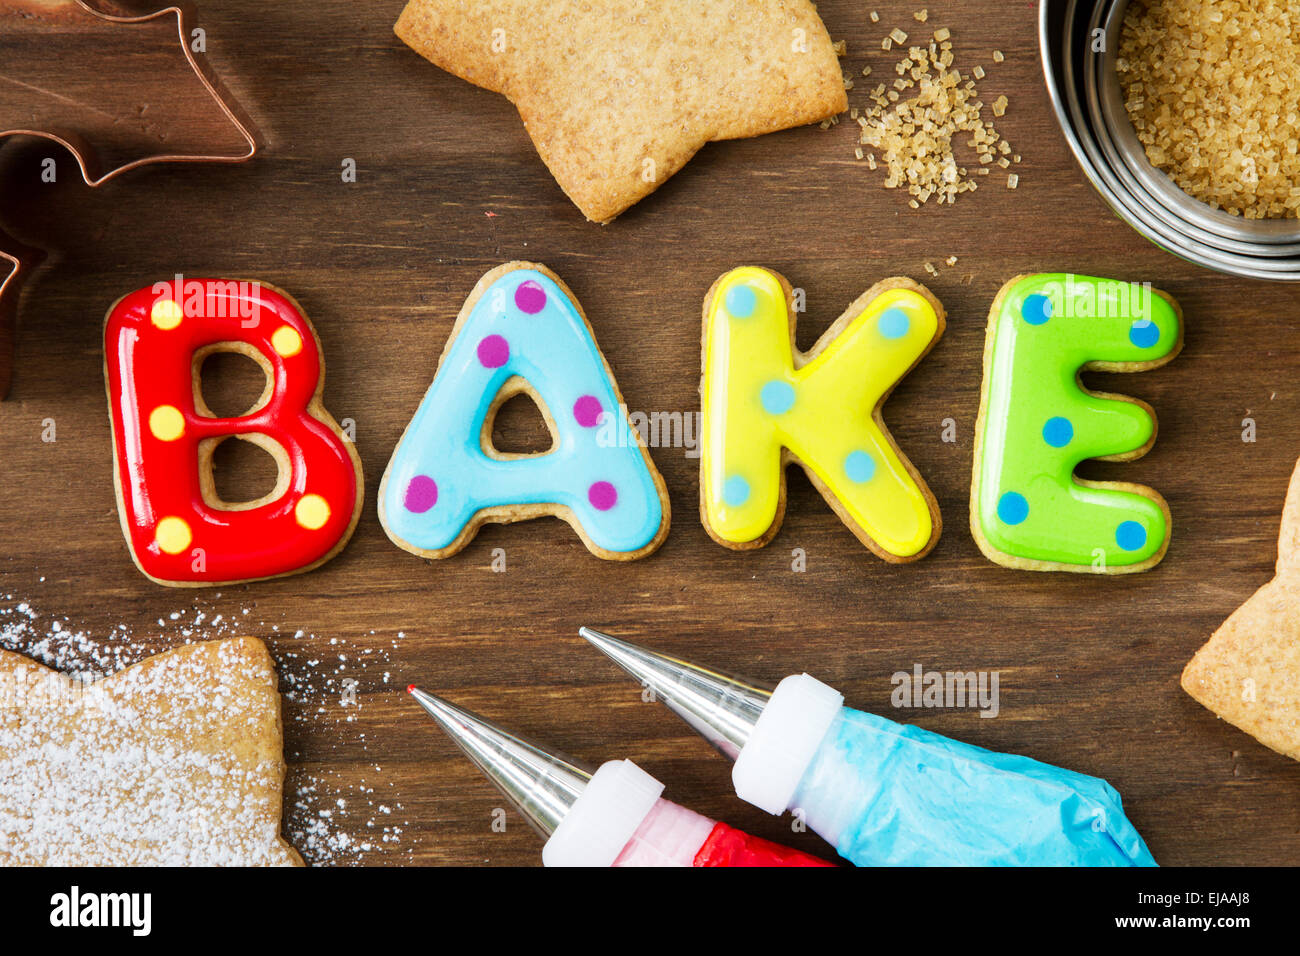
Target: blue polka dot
column 1013, row 508
column 859, row 466
column 777, row 397
column 1037, row 309
column 894, row 323
column 1131, row 536
column 741, row 301
column 735, row 491
column 1058, row 432
column 1144, row 333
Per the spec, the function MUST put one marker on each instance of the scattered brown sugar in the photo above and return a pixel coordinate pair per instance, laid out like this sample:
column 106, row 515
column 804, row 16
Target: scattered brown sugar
column 918, row 120
column 1212, row 91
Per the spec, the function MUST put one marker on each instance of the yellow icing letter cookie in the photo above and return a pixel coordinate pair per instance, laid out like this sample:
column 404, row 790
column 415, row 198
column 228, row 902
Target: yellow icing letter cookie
column 766, row 404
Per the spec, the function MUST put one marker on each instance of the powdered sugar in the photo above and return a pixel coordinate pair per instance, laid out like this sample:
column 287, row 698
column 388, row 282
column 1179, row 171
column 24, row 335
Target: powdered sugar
column 330, row 817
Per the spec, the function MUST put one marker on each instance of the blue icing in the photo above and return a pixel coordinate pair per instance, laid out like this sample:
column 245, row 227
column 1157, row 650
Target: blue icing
column 894, row 323
column 1058, row 432
column 859, row 466
column 555, row 353
column 889, row 794
column 735, row 491
column 1013, row 508
column 741, row 301
column 777, row 397
column 1036, row 309
column 1131, row 536
column 1144, row 333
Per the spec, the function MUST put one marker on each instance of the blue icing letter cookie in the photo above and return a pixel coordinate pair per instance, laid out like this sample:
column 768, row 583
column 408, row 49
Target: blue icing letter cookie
column 522, row 331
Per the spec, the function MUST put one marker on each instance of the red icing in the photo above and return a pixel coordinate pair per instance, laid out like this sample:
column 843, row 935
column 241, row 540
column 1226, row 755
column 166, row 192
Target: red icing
column 148, row 366
column 727, row 846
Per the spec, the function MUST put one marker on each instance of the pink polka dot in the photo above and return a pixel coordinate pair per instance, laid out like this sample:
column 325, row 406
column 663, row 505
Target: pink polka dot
column 493, row 351
column 602, row 496
column 530, row 297
column 421, row 494
column 586, row 411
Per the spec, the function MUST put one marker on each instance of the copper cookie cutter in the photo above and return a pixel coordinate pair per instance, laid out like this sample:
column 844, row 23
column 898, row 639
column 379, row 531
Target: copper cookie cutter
column 78, row 122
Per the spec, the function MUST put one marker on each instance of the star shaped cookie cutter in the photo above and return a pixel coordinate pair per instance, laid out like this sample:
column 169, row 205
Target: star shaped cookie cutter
column 17, row 259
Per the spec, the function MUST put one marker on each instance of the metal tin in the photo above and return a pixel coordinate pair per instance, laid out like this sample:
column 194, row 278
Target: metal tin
column 1086, row 97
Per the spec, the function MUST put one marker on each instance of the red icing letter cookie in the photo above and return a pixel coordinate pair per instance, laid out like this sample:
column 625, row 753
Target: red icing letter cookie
column 179, row 532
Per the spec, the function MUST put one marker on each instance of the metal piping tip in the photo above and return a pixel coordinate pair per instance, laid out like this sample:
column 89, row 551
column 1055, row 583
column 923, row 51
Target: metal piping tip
column 722, row 708
column 542, row 786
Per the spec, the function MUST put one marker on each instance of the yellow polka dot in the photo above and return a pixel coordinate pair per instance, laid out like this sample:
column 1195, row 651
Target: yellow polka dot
column 286, row 341
column 166, row 314
column 166, row 423
column 312, row 512
column 173, row 535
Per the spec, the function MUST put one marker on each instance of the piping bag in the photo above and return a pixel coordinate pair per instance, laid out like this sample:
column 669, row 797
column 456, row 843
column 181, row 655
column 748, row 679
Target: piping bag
column 613, row 816
column 882, row 793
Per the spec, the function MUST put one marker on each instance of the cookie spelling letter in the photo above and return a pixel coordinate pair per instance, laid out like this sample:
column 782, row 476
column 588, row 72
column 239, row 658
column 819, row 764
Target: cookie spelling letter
column 164, row 435
column 522, row 331
column 1037, row 423
column 766, row 404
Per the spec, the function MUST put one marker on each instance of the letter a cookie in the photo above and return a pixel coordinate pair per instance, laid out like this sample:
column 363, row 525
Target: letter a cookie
column 522, row 331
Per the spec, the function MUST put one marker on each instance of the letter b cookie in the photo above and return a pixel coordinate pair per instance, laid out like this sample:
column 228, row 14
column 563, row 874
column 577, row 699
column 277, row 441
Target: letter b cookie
column 179, row 532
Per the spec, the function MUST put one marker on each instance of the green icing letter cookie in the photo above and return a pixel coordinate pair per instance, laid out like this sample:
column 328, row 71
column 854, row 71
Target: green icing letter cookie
column 1037, row 423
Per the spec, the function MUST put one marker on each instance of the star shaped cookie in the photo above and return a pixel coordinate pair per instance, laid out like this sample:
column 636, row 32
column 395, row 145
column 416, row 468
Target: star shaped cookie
column 1249, row 671
column 618, row 95
column 175, row 761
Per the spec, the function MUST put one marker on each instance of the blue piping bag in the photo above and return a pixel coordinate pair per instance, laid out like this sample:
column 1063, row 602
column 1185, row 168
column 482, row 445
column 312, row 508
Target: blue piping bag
column 883, row 793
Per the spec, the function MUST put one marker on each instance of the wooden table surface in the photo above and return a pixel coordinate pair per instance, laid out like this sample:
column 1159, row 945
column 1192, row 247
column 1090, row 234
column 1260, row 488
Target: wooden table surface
column 448, row 186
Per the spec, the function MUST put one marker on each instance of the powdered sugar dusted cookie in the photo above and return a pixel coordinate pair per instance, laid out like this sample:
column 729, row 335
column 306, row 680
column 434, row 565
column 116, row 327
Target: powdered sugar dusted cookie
column 175, row 761
column 1249, row 671
column 618, row 95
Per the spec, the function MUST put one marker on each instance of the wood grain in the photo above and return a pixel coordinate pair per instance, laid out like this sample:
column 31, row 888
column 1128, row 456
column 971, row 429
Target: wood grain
column 448, row 187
